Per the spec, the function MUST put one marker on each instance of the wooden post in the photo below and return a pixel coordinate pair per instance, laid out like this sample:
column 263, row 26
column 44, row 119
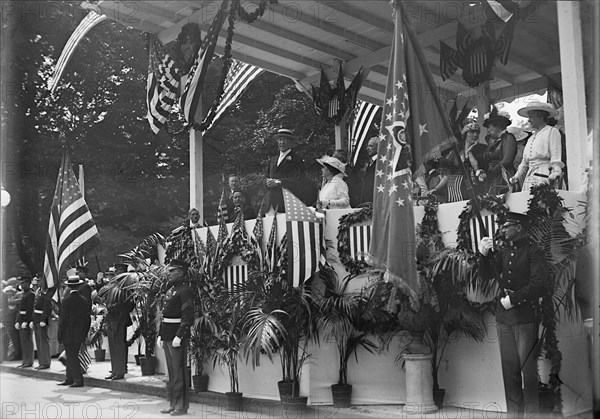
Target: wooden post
column 340, row 135
column 573, row 87
column 196, row 169
column 483, row 103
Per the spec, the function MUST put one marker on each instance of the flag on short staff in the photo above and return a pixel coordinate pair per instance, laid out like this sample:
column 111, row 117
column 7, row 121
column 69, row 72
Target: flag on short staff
column 71, row 230
column 413, row 129
column 193, row 85
column 305, row 239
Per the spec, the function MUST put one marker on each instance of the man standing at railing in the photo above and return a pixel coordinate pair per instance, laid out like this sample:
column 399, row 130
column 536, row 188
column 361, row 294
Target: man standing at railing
column 174, row 335
column 523, row 280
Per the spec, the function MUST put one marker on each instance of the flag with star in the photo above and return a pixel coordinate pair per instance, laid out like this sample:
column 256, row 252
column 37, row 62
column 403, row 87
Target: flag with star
column 71, row 230
column 414, row 129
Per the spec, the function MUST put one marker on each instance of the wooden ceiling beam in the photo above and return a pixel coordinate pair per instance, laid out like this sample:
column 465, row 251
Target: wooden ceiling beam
column 150, row 8
column 384, row 25
column 125, row 14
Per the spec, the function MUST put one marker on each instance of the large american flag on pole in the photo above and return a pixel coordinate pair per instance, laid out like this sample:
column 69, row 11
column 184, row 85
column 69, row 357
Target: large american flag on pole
column 193, row 86
column 162, row 86
column 360, row 126
column 413, row 129
column 71, row 230
column 238, row 78
column 305, row 239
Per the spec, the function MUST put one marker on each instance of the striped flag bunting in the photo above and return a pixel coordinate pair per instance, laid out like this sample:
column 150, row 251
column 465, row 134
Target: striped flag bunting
column 88, row 22
column 84, row 358
column 360, row 126
column 193, row 85
column 476, row 233
column 257, row 238
column 238, row 78
column 71, row 229
column 162, row 86
column 272, row 251
column 305, row 239
column 360, row 238
column 235, row 275
column 222, row 208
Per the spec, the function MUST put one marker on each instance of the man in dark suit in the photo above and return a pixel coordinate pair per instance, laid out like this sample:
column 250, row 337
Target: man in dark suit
column 117, row 320
column 73, row 327
column 174, row 335
column 368, row 185
column 240, row 204
column 283, row 171
column 235, row 186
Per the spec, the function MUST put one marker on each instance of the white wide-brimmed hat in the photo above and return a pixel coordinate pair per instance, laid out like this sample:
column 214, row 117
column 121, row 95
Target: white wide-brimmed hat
column 328, row 161
column 537, row 106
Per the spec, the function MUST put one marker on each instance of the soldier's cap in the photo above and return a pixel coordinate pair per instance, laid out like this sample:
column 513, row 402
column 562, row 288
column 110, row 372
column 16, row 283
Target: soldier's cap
column 82, row 268
column 123, row 266
column 516, row 218
column 73, row 281
column 180, row 264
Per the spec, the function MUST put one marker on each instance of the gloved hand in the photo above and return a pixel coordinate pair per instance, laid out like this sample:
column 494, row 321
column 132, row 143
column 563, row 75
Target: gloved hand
column 513, row 180
column 485, row 245
column 176, row 342
column 31, row 325
column 42, row 324
column 505, row 301
column 553, row 177
column 159, row 342
column 17, row 326
column 24, row 325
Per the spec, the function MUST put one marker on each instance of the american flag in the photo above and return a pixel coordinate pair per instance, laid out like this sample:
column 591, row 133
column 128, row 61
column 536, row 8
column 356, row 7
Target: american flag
column 414, row 128
column 193, row 85
column 360, row 126
column 305, row 239
column 272, row 251
column 257, row 237
column 360, row 238
column 71, row 229
column 88, row 22
column 238, row 78
column 235, row 275
column 222, row 208
column 476, row 233
column 162, row 86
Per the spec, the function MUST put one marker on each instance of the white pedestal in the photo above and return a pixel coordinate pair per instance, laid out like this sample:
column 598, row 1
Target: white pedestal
column 419, row 384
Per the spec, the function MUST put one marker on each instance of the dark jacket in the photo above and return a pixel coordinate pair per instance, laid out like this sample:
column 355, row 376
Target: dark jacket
column 42, row 309
column 74, row 321
column 231, row 207
column 249, row 213
column 86, row 291
column 524, row 273
column 26, row 307
column 289, row 172
column 179, row 304
column 368, row 184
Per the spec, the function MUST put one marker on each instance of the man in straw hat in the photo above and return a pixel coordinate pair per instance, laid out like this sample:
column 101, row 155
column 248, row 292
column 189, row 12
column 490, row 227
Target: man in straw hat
column 73, row 327
column 284, row 170
column 523, row 280
column 174, row 335
column 542, row 156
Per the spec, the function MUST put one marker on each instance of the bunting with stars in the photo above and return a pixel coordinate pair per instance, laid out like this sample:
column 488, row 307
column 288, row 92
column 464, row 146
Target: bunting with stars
column 414, row 129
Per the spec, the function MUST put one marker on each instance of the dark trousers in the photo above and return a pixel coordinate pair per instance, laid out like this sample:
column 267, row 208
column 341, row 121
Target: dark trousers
column 4, row 340
column 42, row 343
column 519, row 352
column 117, row 345
column 176, row 362
column 74, row 374
column 15, row 338
column 26, row 336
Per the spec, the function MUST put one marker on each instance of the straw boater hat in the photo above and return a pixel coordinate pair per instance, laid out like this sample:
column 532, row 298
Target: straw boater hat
column 284, row 133
column 538, row 106
column 330, row 162
column 73, row 281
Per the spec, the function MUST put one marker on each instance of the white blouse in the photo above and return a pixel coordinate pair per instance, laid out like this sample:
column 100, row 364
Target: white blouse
column 542, row 153
column 334, row 193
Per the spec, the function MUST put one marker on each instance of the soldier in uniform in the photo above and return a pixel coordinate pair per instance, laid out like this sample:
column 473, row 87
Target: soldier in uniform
column 117, row 321
column 42, row 311
column 174, row 335
column 23, row 322
column 73, row 328
column 523, row 279
column 9, row 306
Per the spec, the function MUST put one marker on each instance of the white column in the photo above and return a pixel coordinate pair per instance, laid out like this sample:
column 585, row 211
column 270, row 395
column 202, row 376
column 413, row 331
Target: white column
column 573, row 87
column 340, row 135
column 196, row 166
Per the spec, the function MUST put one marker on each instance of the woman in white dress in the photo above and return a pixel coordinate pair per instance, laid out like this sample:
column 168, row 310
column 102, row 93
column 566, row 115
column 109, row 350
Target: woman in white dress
column 542, row 156
column 334, row 192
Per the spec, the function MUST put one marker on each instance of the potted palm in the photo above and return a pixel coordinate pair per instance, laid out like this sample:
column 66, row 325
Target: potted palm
column 95, row 337
column 347, row 317
column 201, row 349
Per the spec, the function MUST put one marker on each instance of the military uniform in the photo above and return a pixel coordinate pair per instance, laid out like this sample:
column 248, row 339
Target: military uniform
column 524, row 277
column 24, row 319
column 42, row 311
column 177, row 318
